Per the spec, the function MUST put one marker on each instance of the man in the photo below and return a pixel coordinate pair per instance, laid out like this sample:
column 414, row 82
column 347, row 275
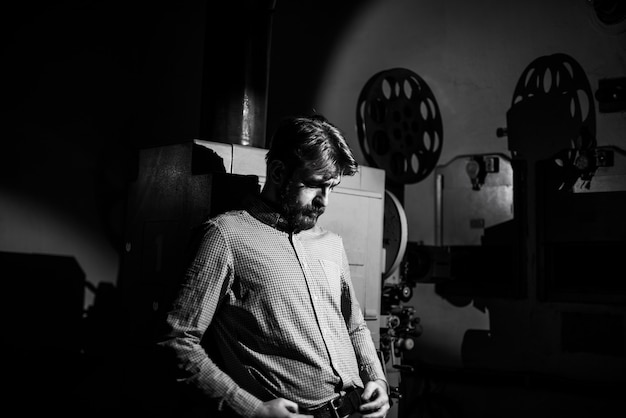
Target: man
column 266, row 322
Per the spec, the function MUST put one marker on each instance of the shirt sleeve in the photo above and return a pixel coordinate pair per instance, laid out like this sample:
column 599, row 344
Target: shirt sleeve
column 206, row 280
column 370, row 367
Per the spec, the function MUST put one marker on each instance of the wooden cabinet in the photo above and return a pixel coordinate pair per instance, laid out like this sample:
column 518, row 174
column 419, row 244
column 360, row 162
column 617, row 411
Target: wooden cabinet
column 177, row 187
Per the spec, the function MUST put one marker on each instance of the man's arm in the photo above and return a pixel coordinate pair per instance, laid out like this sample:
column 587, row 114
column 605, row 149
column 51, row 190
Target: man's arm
column 370, row 367
column 206, row 280
column 376, row 392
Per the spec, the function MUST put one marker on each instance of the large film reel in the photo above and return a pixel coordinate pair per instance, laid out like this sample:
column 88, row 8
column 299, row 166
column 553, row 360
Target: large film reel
column 552, row 114
column 552, row 108
column 399, row 125
column 559, row 79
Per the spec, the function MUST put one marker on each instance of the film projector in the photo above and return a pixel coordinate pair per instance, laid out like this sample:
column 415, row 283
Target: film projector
column 399, row 128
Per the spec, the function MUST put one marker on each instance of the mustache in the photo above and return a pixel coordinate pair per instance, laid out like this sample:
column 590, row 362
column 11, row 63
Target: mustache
column 313, row 209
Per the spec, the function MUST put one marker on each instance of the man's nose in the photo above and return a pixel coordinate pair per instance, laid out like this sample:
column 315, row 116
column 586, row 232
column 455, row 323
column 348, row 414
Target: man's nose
column 323, row 195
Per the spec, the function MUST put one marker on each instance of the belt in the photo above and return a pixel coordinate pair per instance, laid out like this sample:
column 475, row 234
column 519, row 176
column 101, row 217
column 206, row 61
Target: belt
column 340, row 407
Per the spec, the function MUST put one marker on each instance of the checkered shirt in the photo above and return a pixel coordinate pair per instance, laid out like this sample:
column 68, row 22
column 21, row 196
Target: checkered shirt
column 277, row 311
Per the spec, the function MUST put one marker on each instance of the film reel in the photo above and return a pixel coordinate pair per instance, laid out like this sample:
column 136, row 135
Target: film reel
column 559, row 76
column 553, row 114
column 399, row 125
column 608, row 16
column 554, row 95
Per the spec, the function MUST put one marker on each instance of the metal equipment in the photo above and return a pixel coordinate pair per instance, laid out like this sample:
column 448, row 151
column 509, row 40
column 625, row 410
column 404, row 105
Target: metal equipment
column 400, row 130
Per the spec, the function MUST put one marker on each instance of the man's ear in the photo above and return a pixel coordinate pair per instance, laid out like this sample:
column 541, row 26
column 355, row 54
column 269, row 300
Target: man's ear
column 276, row 172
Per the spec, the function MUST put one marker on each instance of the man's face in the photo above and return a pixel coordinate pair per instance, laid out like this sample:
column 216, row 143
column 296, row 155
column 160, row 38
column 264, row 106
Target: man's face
column 304, row 197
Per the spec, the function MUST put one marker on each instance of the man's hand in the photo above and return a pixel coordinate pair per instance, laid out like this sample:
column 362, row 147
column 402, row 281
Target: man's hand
column 376, row 400
column 279, row 408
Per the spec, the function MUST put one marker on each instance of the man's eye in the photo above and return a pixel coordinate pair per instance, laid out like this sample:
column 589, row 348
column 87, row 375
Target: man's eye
column 319, row 186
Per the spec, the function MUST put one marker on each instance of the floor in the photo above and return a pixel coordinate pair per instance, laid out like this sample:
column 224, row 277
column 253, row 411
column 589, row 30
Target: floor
column 48, row 383
column 488, row 395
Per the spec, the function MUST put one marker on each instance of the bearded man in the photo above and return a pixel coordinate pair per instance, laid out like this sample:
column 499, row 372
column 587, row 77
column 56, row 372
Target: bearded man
column 266, row 322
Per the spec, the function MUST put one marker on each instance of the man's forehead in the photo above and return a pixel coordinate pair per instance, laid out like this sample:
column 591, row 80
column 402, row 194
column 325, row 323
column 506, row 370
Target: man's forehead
column 318, row 175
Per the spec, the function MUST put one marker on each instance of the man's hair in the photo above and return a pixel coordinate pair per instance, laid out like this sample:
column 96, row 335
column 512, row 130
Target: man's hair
column 311, row 142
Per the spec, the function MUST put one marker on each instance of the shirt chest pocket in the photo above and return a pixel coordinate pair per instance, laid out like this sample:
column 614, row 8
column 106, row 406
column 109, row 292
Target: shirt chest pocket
column 332, row 272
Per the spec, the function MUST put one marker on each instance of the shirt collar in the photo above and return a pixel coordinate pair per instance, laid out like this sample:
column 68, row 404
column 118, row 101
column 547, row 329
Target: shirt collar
column 267, row 213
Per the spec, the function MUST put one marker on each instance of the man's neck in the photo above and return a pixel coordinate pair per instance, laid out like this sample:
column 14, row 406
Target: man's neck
column 270, row 199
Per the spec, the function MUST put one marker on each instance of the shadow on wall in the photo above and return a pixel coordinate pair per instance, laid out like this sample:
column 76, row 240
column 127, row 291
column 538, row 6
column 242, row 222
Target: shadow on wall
column 303, row 19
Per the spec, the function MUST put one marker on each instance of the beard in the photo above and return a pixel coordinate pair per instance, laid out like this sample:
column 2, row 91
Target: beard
column 300, row 217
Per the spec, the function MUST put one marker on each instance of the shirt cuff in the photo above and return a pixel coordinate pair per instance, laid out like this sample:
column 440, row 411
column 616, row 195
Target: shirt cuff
column 244, row 403
column 370, row 372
